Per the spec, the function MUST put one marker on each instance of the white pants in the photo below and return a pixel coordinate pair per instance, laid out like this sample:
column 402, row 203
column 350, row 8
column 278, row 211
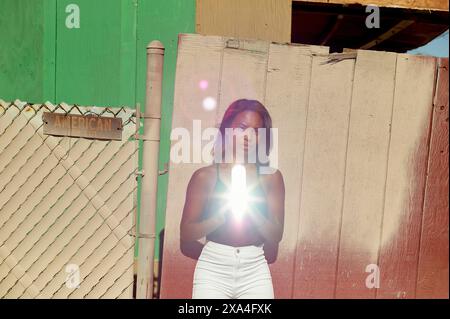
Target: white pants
column 226, row 272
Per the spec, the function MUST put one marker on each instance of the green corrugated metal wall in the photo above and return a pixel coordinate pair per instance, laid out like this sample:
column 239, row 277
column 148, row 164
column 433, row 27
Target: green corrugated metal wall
column 102, row 63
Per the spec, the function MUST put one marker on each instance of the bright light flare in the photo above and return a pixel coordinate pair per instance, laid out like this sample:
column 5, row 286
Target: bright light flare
column 203, row 84
column 209, row 104
column 238, row 196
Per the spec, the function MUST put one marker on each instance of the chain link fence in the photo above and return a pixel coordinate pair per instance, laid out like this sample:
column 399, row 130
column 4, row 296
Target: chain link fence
column 67, row 206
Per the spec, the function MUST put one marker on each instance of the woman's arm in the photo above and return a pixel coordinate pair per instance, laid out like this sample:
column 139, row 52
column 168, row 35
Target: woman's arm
column 197, row 194
column 271, row 228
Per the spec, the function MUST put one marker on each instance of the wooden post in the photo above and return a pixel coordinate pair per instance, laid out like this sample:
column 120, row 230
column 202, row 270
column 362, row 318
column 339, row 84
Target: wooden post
column 151, row 136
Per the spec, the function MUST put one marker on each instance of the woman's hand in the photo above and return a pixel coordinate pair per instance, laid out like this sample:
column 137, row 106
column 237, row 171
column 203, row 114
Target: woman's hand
column 271, row 228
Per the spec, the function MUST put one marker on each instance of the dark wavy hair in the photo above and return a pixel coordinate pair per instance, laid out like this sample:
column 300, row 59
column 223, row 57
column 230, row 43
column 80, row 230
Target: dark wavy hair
column 244, row 105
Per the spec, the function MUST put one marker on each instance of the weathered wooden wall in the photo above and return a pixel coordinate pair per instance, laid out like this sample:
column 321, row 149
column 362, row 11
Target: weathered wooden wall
column 363, row 149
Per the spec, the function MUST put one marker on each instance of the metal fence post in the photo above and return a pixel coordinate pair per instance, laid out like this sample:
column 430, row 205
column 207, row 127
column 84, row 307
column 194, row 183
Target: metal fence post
column 151, row 136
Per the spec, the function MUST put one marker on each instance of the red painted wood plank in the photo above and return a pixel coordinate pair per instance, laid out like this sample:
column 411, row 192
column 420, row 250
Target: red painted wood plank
column 323, row 177
column 433, row 281
column 405, row 183
column 288, row 109
column 366, row 166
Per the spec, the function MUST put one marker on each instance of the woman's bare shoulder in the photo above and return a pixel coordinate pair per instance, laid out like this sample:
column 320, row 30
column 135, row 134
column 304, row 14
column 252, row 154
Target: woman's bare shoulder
column 204, row 176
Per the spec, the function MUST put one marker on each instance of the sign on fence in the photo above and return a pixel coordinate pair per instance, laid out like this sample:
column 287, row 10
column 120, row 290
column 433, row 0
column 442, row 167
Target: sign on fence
column 88, row 126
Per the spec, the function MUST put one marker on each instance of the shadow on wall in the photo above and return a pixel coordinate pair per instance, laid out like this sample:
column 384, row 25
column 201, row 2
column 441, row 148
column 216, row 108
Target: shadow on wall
column 160, row 263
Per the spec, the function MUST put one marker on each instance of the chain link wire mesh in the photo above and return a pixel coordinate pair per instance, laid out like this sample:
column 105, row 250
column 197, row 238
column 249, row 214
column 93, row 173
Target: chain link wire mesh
column 67, row 206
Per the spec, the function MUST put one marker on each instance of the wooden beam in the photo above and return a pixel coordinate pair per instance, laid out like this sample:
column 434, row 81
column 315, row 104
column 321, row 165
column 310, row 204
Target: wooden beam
column 402, row 25
column 435, row 5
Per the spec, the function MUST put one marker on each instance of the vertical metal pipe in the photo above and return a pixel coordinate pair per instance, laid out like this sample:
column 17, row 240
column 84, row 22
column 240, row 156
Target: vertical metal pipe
column 151, row 136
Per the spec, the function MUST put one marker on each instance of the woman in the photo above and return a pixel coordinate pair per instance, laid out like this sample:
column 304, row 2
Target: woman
column 232, row 262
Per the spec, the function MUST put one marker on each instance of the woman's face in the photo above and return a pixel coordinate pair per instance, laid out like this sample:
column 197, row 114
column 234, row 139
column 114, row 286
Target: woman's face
column 249, row 140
